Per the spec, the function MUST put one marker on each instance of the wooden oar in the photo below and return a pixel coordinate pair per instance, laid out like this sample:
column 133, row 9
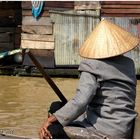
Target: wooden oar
column 47, row 77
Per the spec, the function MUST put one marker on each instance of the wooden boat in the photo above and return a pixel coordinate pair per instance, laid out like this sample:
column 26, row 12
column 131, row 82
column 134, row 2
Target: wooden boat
column 4, row 136
column 135, row 136
column 137, row 128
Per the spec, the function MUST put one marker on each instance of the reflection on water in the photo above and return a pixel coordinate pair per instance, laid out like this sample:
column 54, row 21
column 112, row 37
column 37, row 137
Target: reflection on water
column 24, row 102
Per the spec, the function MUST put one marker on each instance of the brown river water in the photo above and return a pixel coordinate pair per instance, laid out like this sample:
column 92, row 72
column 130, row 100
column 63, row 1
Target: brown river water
column 24, row 102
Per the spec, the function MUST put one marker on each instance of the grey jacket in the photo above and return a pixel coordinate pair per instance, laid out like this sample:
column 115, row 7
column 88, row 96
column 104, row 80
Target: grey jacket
column 105, row 95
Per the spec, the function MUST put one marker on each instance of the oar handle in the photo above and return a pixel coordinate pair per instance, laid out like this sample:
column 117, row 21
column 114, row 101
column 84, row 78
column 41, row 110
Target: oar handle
column 47, row 77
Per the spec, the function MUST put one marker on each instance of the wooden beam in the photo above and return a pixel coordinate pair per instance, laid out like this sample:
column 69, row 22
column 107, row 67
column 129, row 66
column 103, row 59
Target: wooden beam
column 36, row 44
column 7, row 29
column 7, row 22
column 6, row 37
column 45, row 58
column 51, row 4
column 10, row 5
column 26, row 5
column 18, row 30
column 29, row 13
column 44, row 30
column 35, row 37
column 30, row 20
column 84, row 5
column 17, row 40
column 7, row 12
column 6, row 46
column 59, row 4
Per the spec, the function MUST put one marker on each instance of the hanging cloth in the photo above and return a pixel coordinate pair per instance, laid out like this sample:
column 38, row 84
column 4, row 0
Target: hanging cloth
column 37, row 7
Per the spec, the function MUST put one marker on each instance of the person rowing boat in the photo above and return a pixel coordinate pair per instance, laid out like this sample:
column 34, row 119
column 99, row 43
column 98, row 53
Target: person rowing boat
column 103, row 106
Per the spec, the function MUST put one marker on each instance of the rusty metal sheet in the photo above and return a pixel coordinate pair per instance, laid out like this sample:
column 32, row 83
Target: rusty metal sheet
column 70, row 30
column 120, row 8
column 131, row 24
column 120, row 2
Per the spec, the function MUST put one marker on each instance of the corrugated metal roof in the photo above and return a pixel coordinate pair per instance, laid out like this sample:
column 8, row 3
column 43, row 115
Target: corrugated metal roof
column 70, row 30
column 131, row 24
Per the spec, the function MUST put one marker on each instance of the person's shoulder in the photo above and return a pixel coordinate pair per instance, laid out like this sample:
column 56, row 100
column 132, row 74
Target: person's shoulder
column 118, row 59
column 87, row 62
column 126, row 59
column 88, row 65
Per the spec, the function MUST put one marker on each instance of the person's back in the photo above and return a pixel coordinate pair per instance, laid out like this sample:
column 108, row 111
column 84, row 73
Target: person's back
column 112, row 109
column 103, row 106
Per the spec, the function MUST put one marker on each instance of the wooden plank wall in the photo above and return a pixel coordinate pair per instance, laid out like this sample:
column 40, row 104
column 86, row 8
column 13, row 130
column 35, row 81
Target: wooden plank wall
column 37, row 34
column 10, row 21
column 57, row 5
column 120, row 8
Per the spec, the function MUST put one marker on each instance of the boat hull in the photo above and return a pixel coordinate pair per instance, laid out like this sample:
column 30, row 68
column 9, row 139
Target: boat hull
column 4, row 136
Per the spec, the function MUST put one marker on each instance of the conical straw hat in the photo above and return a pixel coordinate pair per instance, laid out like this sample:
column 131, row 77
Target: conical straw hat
column 108, row 40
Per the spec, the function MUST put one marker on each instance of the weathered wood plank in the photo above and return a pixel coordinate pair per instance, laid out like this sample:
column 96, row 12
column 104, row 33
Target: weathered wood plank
column 26, row 5
column 6, row 37
column 7, row 29
column 6, row 46
column 30, row 20
column 35, row 37
column 7, row 22
column 16, row 46
column 37, row 44
column 59, row 4
column 84, row 5
column 18, row 30
column 126, row 11
column 45, row 58
column 17, row 39
column 18, row 16
column 50, row 4
column 29, row 13
column 7, row 13
column 10, row 5
column 44, row 30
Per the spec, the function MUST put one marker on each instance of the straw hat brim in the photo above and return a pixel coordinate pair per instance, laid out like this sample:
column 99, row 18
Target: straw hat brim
column 108, row 40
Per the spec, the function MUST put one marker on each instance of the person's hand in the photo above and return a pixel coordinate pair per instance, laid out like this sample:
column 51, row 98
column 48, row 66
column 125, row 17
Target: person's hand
column 44, row 133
